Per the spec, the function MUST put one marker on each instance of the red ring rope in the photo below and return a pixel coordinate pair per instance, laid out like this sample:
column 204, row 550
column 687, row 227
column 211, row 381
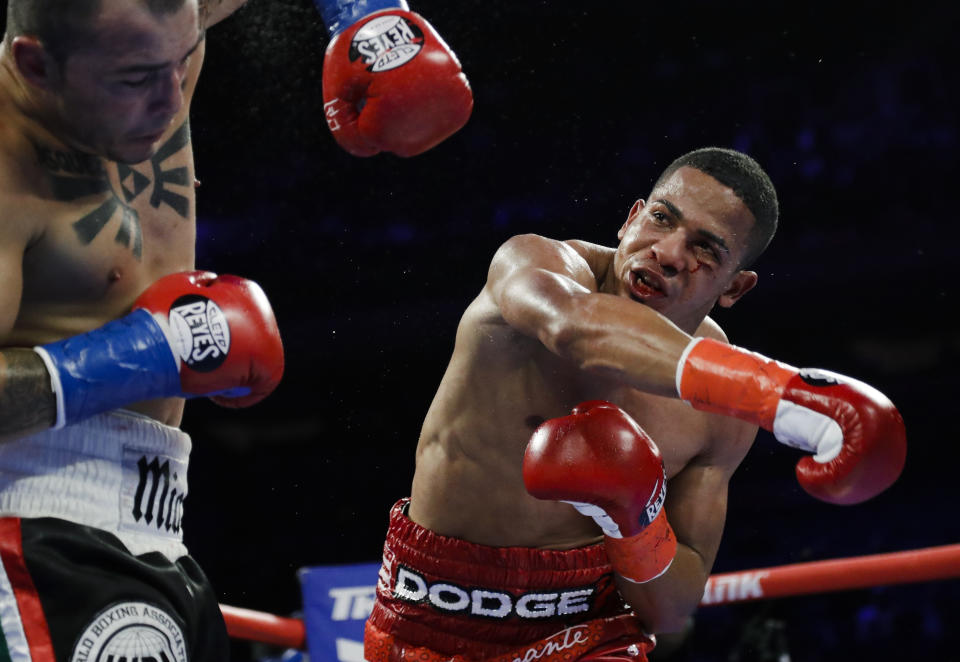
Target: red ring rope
column 258, row 626
column 918, row 565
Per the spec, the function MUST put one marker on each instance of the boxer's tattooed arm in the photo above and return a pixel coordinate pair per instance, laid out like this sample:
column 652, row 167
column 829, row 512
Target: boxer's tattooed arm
column 74, row 176
column 26, row 400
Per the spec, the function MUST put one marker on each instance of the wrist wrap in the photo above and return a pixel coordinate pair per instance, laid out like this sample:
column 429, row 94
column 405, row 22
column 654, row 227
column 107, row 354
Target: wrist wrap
column 338, row 15
column 645, row 556
column 123, row 361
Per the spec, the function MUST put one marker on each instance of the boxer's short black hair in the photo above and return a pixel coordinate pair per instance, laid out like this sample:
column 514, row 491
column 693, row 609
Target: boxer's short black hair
column 61, row 24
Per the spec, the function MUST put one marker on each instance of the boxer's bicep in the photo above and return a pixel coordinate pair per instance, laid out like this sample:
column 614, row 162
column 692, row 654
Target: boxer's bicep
column 697, row 495
column 696, row 507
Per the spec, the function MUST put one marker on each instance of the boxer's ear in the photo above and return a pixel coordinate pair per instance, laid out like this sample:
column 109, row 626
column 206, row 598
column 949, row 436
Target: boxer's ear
column 741, row 283
column 32, row 61
column 631, row 217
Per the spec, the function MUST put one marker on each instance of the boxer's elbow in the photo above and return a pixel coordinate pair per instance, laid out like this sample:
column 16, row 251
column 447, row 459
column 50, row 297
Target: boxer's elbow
column 660, row 614
column 670, row 621
column 666, row 603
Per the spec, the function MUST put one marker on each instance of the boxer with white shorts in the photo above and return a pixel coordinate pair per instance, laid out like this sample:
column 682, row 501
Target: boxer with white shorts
column 98, row 217
column 105, row 328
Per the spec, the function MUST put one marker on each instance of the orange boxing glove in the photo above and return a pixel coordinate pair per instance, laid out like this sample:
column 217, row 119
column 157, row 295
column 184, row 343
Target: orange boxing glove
column 856, row 434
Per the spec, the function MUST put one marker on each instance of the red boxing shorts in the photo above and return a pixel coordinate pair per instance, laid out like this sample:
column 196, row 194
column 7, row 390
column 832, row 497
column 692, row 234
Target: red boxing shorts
column 442, row 599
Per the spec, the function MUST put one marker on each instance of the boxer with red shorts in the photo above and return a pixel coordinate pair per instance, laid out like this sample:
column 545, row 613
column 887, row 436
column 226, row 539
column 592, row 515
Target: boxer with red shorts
column 589, row 421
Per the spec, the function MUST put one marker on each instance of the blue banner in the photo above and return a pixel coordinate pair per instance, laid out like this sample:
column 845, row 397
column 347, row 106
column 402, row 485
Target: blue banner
column 336, row 602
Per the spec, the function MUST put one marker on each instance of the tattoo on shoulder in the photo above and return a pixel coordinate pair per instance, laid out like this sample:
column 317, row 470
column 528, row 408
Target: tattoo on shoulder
column 74, row 175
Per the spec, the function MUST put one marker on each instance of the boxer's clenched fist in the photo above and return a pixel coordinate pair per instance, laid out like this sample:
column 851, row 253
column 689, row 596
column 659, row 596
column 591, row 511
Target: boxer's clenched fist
column 391, row 83
column 192, row 334
column 856, row 434
column 600, row 461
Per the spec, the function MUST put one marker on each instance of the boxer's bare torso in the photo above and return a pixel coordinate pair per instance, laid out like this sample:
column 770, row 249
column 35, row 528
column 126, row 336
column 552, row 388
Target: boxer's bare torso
column 81, row 235
column 468, row 481
column 87, row 234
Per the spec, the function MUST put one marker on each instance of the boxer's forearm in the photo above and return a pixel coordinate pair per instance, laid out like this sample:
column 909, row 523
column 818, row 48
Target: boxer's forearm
column 27, row 402
column 599, row 333
column 664, row 604
column 637, row 345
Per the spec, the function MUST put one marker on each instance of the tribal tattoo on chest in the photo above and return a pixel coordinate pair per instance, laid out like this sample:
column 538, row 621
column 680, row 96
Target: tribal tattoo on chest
column 74, row 176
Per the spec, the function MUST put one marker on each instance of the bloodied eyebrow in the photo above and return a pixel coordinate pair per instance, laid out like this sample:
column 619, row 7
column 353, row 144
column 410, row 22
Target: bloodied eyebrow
column 712, row 237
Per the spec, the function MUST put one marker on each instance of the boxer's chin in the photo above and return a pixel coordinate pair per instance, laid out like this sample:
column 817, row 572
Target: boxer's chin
column 134, row 150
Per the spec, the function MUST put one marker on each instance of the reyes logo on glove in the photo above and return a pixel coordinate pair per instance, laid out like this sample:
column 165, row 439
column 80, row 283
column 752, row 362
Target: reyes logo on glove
column 201, row 332
column 385, row 43
column 655, row 505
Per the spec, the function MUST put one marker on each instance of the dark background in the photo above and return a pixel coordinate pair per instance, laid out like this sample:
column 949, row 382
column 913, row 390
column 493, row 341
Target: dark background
column 852, row 108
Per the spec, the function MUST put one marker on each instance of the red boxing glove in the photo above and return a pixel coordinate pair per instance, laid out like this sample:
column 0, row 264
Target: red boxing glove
column 224, row 333
column 855, row 432
column 600, row 461
column 390, row 83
